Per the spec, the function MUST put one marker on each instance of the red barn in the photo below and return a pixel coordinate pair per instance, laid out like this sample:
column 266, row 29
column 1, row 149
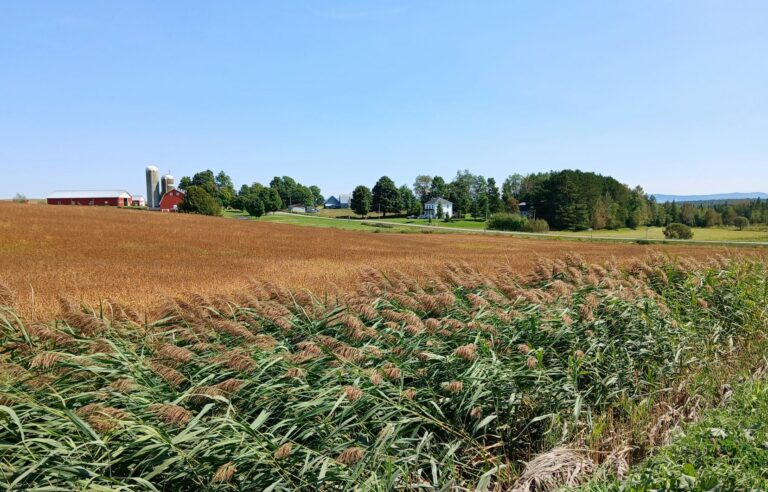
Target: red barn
column 171, row 201
column 113, row 198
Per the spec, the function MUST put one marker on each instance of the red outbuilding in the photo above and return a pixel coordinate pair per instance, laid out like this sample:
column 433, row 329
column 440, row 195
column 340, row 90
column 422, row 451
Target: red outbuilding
column 171, row 201
column 113, row 198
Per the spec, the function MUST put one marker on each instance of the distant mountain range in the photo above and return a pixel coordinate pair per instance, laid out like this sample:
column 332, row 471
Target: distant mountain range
column 706, row 198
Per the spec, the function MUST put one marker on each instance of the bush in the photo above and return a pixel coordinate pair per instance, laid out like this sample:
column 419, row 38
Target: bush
column 678, row 231
column 198, row 201
column 516, row 222
column 254, row 206
column 741, row 223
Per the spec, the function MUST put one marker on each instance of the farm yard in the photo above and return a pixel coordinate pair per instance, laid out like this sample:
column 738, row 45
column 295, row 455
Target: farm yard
column 92, row 254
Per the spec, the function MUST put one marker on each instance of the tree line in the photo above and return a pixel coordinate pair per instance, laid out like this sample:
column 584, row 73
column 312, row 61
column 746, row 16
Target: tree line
column 206, row 193
column 563, row 200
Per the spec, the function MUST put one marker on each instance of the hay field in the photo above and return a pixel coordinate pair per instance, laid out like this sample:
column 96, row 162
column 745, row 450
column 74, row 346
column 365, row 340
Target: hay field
column 138, row 257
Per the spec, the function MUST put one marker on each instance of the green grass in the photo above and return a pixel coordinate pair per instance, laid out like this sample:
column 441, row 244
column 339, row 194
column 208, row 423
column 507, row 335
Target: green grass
column 699, row 234
column 459, row 224
column 726, row 450
column 716, row 234
column 313, row 221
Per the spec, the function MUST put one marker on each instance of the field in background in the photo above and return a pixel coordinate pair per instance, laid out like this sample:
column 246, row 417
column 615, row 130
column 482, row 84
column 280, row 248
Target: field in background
column 716, row 234
column 93, row 253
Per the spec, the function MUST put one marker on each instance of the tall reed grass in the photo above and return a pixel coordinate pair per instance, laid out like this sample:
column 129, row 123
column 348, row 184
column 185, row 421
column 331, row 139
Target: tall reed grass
column 446, row 381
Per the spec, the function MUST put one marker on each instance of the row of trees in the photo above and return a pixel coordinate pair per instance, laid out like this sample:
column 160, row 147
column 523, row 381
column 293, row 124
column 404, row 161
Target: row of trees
column 739, row 214
column 566, row 200
column 207, row 193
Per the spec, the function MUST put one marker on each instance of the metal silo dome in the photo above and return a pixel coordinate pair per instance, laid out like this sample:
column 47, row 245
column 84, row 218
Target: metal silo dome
column 166, row 184
column 153, row 187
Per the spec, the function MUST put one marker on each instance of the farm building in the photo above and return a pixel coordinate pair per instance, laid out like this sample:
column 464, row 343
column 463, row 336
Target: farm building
column 171, row 201
column 113, row 198
column 432, row 206
column 298, row 209
column 138, row 201
column 342, row 201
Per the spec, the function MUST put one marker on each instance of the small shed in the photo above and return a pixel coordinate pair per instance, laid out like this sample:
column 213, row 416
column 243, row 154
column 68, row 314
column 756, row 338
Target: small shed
column 432, row 207
column 171, row 201
column 332, row 202
column 108, row 198
column 139, row 201
column 343, row 201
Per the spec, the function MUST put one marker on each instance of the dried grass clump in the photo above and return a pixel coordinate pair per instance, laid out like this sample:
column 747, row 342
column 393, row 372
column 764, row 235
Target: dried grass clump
column 171, row 414
column 284, row 451
column 224, row 474
column 560, row 467
column 353, row 393
column 233, row 329
column 46, row 360
column 169, row 374
column 7, row 296
column 454, row 386
column 467, row 352
column 391, row 371
column 122, row 385
column 87, row 324
column 241, row 362
column 231, row 385
column 174, row 352
column 100, row 417
column 351, row 456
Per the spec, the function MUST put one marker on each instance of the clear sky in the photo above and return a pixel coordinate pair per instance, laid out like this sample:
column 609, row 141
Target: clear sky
column 671, row 95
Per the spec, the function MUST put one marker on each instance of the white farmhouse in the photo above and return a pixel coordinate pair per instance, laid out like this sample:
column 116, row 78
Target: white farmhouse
column 432, row 206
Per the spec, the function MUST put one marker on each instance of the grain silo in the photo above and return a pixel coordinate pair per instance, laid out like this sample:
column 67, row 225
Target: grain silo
column 166, row 185
column 153, row 187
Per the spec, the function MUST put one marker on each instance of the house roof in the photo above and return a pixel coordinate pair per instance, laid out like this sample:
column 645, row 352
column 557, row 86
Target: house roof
column 439, row 201
column 90, row 194
column 332, row 199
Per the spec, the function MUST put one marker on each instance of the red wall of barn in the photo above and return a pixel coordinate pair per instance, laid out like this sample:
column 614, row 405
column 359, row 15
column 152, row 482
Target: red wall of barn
column 170, row 199
column 108, row 202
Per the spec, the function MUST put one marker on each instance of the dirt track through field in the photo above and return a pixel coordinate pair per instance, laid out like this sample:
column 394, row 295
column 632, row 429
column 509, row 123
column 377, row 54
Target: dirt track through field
column 137, row 257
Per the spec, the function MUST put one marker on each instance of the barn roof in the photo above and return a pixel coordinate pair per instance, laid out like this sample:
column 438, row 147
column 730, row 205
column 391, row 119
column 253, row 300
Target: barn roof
column 90, row 194
column 439, row 201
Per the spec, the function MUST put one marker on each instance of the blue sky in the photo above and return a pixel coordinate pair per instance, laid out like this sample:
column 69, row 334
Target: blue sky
column 671, row 95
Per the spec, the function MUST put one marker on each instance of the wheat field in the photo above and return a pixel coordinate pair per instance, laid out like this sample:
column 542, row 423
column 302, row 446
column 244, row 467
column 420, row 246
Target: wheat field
column 91, row 254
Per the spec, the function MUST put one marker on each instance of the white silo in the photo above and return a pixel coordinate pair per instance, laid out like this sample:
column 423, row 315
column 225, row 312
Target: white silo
column 153, row 187
column 166, row 184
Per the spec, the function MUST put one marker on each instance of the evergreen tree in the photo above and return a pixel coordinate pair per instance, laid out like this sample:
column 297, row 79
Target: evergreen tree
column 386, row 198
column 361, row 200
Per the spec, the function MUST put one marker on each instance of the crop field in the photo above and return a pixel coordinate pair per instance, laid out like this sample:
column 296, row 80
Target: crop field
column 138, row 258
column 459, row 379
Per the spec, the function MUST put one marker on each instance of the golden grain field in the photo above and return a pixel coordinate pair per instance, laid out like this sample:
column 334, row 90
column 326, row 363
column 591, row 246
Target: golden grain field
column 139, row 257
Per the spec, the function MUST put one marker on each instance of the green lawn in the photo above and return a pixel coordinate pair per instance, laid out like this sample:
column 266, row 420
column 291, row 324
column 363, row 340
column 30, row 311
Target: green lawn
column 699, row 234
column 459, row 224
column 315, row 221
column 337, row 219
